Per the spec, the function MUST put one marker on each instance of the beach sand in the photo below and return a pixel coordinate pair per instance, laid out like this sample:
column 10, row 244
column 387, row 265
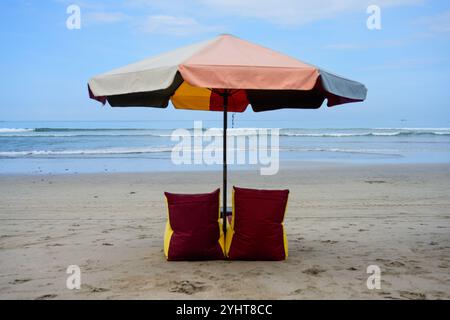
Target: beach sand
column 340, row 219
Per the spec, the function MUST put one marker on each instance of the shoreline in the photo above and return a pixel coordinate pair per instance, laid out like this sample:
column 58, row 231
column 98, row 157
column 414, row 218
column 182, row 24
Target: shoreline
column 340, row 219
column 285, row 165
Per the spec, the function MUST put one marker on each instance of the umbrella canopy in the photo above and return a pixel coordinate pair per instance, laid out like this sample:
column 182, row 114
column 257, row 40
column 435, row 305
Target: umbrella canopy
column 193, row 77
column 224, row 74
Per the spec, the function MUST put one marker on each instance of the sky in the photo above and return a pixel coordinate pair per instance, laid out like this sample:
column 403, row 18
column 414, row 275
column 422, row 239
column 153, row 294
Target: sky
column 405, row 65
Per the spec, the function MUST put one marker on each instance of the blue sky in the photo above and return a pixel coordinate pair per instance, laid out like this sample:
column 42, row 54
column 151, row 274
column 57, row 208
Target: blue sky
column 405, row 65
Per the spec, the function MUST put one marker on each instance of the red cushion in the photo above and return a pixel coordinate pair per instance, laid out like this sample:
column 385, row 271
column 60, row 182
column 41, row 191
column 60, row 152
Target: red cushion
column 193, row 230
column 257, row 231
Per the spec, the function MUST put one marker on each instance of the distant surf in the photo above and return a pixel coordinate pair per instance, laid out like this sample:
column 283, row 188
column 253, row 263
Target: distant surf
column 84, row 152
column 124, row 151
column 122, row 145
column 7, row 130
column 311, row 133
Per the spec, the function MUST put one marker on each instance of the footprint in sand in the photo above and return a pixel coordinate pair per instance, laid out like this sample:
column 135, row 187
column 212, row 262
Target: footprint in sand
column 395, row 264
column 375, row 181
column 314, row 271
column 252, row 273
column 93, row 289
column 46, row 297
column 19, row 281
column 55, row 245
column 329, row 241
column 187, row 287
column 412, row 295
column 387, row 295
column 298, row 291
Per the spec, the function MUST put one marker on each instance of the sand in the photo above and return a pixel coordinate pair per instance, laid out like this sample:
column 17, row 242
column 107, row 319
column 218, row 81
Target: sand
column 340, row 219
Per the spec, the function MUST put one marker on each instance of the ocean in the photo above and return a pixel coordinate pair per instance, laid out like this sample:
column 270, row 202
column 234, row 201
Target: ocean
column 77, row 147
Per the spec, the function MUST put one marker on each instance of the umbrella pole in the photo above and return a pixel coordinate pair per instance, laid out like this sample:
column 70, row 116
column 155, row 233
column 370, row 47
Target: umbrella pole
column 224, row 189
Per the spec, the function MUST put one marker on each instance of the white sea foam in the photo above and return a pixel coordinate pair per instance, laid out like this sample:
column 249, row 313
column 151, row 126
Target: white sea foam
column 364, row 134
column 167, row 133
column 6, row 130
column 85, row 152
column 124, row 151
column 415, row 129
column 384, row 152
column 324, row 135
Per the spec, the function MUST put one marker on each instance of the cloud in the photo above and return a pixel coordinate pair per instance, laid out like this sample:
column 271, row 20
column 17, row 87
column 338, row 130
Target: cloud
column 439, row 23
column 182, row 18
column 178, row 26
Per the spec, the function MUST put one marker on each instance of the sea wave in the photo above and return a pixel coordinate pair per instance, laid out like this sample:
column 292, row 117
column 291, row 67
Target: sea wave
column 81, row 129
column 306, row 135
column 415, row 129
column 167, row 133
column 363, row 134
column 111, row 151
column 381, row 152
column 7, row 130
column 144, row 150
column 69, row 135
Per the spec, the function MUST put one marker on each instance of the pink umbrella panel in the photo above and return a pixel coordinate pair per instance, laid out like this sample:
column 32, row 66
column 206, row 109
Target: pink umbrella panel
column 195, row 76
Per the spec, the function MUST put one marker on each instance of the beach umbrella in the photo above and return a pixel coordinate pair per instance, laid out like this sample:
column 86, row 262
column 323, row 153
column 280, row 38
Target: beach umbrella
column 224, row 74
